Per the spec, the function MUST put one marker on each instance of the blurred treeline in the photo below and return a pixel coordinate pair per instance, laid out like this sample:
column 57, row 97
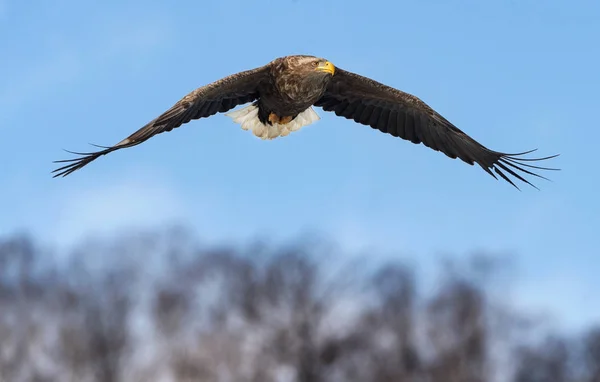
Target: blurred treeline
column 160, row 306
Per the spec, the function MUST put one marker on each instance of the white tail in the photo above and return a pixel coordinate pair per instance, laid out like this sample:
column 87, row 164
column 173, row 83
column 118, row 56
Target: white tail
column 247, row 117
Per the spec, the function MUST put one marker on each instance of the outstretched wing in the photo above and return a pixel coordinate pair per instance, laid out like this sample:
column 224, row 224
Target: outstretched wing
column 219, row 96
column 403, row 115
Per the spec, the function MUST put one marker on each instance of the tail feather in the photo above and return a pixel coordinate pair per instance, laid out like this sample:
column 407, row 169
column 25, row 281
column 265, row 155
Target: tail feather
column 247, row 117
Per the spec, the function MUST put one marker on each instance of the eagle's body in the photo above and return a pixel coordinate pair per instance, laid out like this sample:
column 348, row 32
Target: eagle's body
column 282, row 95
column 287, row 94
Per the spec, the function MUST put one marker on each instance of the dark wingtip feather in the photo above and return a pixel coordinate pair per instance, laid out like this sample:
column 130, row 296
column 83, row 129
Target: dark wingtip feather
column 77, row 163
column 497, row 170
column 505, row 162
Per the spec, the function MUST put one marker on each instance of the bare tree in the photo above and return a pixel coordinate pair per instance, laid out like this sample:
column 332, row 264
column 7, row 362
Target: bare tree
column 94, row 330
column 546, row 362
column 591, row 355
column 155, row 306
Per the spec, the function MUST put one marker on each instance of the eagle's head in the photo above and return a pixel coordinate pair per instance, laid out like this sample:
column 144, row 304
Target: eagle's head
column 310, row 65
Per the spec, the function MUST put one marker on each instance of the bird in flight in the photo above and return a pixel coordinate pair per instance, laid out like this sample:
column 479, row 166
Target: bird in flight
column 282, row 95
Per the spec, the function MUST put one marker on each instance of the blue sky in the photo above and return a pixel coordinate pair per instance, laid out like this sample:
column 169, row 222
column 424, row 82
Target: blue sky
column 515, row 75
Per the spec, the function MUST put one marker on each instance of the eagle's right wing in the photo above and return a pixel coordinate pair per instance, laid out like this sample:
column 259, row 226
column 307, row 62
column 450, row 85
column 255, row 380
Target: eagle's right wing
column 403, row 115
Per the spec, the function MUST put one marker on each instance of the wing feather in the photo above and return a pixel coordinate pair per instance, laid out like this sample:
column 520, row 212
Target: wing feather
column 219, row 96
column 403, row 115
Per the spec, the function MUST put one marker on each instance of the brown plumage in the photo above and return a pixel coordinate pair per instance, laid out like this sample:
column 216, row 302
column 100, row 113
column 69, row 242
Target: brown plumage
column 282, row 94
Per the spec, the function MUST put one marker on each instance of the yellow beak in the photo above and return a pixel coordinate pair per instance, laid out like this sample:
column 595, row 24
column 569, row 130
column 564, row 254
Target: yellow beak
column 326, row 67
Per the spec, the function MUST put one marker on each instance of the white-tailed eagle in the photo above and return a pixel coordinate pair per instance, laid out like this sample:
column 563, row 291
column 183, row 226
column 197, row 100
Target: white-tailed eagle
column 282, row 95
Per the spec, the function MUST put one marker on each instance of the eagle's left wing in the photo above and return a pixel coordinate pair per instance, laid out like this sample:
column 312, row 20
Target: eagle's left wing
column 403, row 115
column 219, row 96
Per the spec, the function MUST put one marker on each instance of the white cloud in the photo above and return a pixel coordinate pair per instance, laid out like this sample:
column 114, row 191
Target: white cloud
column 562, row 297
column 356, row 234
column 138, row 203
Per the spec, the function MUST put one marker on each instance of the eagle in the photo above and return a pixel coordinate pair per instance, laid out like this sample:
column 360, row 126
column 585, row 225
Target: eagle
column 282, row 95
